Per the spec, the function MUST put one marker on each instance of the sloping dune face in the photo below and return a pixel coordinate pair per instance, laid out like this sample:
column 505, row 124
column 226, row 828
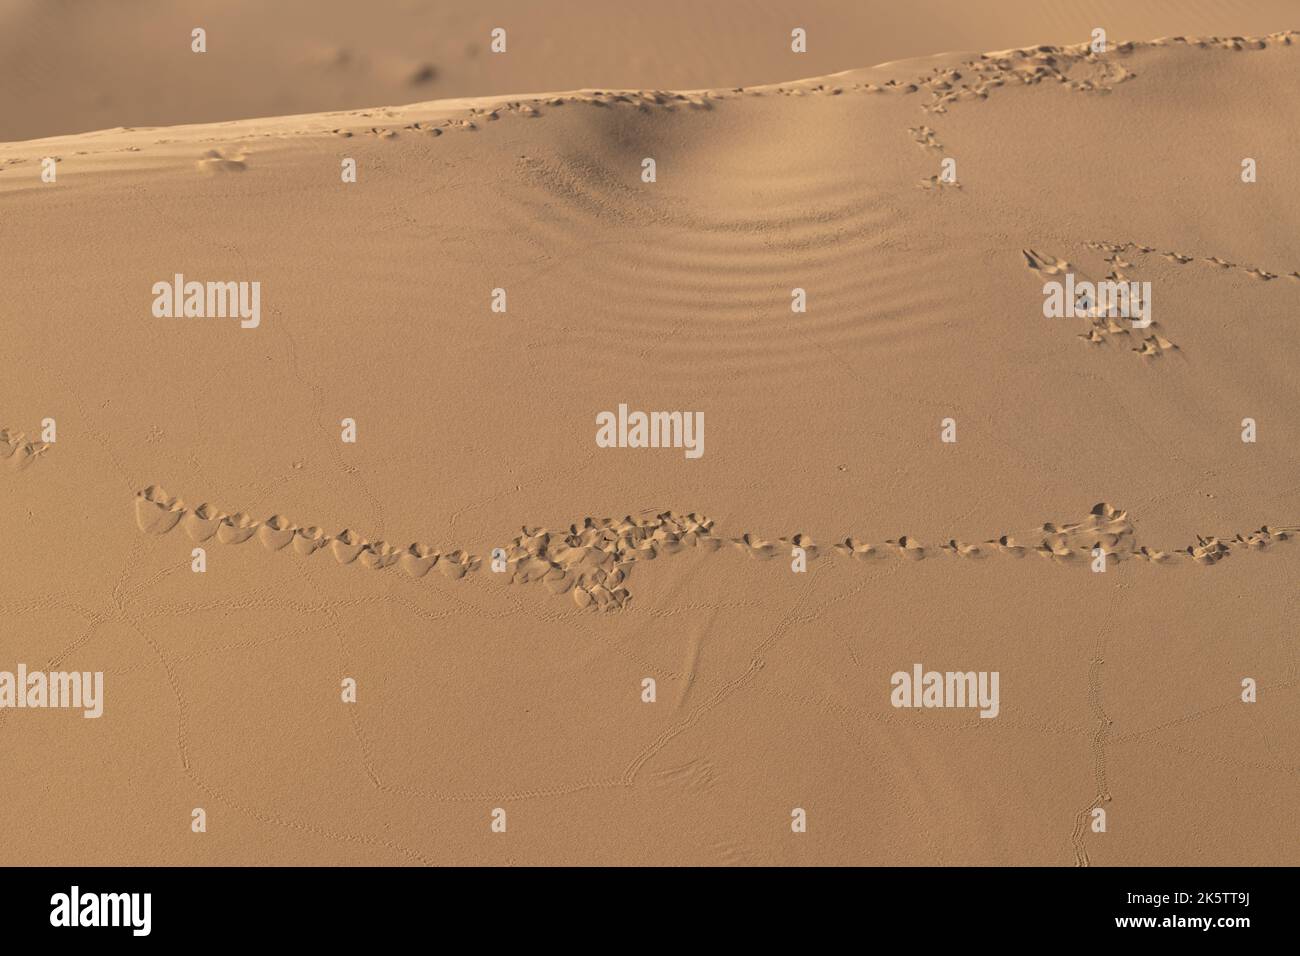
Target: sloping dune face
column 933, row 445
column 68, row 66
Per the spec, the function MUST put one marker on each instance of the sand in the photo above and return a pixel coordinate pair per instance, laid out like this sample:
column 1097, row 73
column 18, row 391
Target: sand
column 498, row 588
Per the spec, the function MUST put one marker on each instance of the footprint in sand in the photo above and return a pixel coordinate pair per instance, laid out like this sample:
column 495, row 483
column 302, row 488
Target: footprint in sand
column 1045, row 264
column 17, row 452
column 222, row 161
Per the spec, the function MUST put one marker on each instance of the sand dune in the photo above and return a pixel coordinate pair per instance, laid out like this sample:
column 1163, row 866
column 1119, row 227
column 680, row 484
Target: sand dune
column 952, row 464
column 68, row 67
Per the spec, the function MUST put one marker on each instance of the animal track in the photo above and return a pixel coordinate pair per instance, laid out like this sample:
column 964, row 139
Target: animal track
column 1044, row 264
column 217, row 161
column 156, row 512
column 1103, row 326
column 1182, row 259
column 593, row 561
column 1106, row 528
column 1077, row 67
column 1074, row 66
column 16, row 452
column 1104, row 323
column 925, row 137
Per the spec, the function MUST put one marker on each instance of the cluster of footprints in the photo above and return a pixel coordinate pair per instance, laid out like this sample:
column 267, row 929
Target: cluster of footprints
column 1076, row 67
column 1104, row 327
column 16, row 451
column 593, row 562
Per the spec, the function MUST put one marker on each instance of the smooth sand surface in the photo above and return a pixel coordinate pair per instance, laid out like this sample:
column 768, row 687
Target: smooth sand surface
column 522, row 689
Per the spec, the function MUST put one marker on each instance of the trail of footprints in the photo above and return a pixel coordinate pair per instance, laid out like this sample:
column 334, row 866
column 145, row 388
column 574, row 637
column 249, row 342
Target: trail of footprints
column 16, row 452
column 1076, row 67
column 592, row 562
column 1150, row 343
column 1114, row 252
column 926, row 138
column 476, row 116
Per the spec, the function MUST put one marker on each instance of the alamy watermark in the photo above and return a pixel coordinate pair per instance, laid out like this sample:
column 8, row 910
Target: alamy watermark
column 947, row 689
column 75, row 690
column 635, row 429
column 75, row 908
column 208, row 300
column 1106, row 299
